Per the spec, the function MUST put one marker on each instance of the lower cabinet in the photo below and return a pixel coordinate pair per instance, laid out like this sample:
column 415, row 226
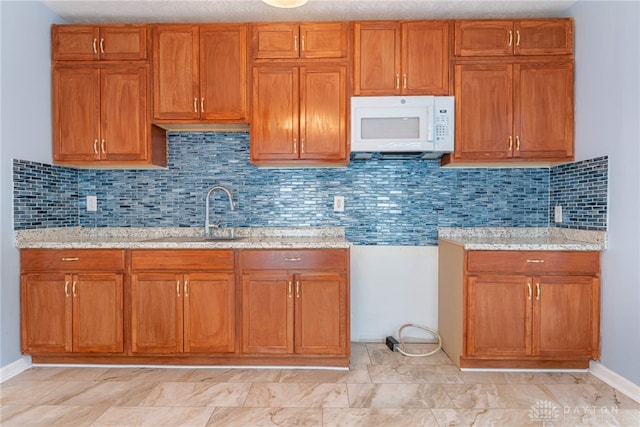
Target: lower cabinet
column 519, row 308
column 295, row 302
column 182, row 301
column 72, row 301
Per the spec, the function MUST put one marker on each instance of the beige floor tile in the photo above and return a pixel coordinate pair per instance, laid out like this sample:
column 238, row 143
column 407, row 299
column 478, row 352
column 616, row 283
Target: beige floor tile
column 497, row 396
column 156, row 375
column 53, row 373
column 110, row 393
column 36, row 416
column 263, row 417
column 359, row 354
column 235, row 375
column 356, row 374
column 381, row 355
column 485, row 417
column 573, row 396
column 154, row 417
column 597, row 417
column 421, row 374
column 398, row 396
column 364, row 417
column 295, row 395
column 197, row 394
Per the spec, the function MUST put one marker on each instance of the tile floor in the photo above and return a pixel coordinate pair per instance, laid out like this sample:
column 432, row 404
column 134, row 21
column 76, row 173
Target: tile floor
column 381, row 389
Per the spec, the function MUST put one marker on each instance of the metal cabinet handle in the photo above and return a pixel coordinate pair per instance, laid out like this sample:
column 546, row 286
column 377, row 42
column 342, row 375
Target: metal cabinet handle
column 518, row 38
column 397, row 81
column 302, row 43
column 404, row 78
column 297, row 289
column 302, row 145
column 67, row 259
column 535, row 261
column 289, row 289
column 195, row 105
column 102, row 45
column 538, row 291
column 510, row 38
column 95, row 45
column 103, row 146
column 510, row 143
column 178, row 287
column 293, row 259
column 95, row 146
column 517, row 143
column 529, row 293
column 295, row 43
column 202, row 105
column 73, row 288
column 66, row 289
column 295, row 145
column 186, row 288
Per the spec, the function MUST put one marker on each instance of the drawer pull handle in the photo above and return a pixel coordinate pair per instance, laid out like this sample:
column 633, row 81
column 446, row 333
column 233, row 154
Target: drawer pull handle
column 71, row 259
column 535, row 261
column 293, row 259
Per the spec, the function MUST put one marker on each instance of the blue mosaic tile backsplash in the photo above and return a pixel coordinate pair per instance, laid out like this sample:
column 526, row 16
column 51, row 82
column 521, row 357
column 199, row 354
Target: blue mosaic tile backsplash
column 387, row 202
column 581, row 189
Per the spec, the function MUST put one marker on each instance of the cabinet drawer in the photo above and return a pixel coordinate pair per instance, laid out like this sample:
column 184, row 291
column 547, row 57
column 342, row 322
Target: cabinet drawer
column 309, row 259
column 182, row 260
column 533, row 262
column 69, row 260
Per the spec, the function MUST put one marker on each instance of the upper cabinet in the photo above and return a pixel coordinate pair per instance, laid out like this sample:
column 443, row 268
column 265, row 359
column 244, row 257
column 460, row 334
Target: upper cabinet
column 200, row 73
column 307, row 41
column 520, row 37
column 99, row 43
column 401, row 58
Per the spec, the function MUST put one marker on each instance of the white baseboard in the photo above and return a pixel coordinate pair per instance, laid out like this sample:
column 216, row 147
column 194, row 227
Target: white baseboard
column 616, row 381
column 13, row 369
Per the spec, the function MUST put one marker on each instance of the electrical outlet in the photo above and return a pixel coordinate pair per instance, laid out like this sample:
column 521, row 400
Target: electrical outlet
column 92, row 203
column 338, row 203
column 558, row 214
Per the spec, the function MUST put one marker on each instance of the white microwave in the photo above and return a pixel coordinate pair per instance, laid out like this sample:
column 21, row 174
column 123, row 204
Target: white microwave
column 402, row 124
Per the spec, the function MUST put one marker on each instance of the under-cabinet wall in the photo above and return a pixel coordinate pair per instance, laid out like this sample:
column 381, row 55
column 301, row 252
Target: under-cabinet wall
column 387, row 202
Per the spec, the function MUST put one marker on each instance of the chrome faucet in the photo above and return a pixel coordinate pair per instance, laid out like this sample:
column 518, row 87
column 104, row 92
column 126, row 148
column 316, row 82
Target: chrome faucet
column 207, row 225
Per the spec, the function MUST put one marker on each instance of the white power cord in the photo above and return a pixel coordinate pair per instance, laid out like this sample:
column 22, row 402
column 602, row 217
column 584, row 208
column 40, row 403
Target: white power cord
column 424, row 328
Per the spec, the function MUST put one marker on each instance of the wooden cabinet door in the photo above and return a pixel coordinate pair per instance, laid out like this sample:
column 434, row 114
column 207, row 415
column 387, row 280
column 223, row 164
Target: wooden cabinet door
column 484, row 38
column 544, row 37
column 75, row 42
column 46, row 312
column 543, row 125
column 267, row 312
column 323, row 112
column 76, row 113
column 324, row 40
column 484, row 111
column 156, row 313
column 223, row 72
column 275, row 123
column 123, row 113
column 425, row 58
column 498, row 321
column 566, row 316
column 320, row 313
column 123, row 42
column 175, row 72
column 97, row 313
column 377, row 60
column 209, row 312
column 275, row 40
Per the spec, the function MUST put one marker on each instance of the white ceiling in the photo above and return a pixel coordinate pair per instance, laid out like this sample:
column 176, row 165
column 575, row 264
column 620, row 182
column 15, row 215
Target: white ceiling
column 130, row 11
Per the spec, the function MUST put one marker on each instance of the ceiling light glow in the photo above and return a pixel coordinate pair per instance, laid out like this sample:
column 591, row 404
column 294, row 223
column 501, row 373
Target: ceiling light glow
column 285, row 3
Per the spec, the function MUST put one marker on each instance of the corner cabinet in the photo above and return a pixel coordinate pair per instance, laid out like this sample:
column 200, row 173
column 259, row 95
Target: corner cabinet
column 401, row 58
column 519, row 309
column 72, row 301
column 200, row 73
column 295, row 302
column 182, row 301
column 299, row 115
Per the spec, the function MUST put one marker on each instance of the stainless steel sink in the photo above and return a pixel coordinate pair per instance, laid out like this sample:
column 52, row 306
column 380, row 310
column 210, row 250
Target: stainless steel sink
column 188, row 239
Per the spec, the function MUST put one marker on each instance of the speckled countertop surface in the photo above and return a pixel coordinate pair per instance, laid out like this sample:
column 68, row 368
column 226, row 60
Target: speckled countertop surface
column 182, row 238
column 525, row 238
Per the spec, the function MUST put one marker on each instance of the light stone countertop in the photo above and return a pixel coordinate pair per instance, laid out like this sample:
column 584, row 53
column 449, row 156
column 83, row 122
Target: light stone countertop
column 154, row 238
column 524, row 238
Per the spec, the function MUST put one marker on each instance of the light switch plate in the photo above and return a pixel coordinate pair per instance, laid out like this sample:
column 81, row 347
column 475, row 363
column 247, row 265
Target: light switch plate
column 558, row 214
column 338, row 203
column 92, row 203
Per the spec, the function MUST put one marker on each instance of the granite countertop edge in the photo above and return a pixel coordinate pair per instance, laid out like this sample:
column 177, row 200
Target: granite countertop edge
column 147, row 238
column 524, row 238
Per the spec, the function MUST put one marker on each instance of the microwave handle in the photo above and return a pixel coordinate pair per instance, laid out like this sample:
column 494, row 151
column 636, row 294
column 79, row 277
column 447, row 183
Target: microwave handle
column 430, row 122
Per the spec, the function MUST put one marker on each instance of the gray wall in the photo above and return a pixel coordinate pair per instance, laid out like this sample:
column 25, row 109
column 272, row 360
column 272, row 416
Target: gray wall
column 25, row 133
column 607, row 112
